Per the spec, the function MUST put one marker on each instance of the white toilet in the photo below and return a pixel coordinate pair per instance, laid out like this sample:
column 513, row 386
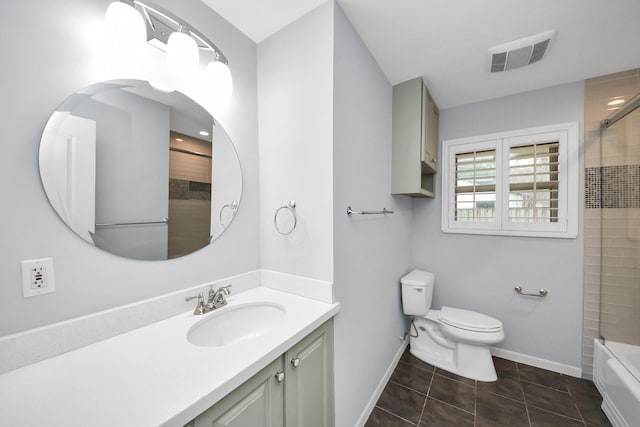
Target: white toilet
column 452, row 339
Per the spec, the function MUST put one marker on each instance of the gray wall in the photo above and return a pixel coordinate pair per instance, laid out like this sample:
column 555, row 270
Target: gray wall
column 132, row 157
column 52, row 60
column 294, row 88
column 371, row 253
column 479, row 272
column 132, row 171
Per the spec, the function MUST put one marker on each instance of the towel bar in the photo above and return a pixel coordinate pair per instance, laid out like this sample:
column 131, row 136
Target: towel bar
column 541, row 293
column 384, row 211
column 120, row 224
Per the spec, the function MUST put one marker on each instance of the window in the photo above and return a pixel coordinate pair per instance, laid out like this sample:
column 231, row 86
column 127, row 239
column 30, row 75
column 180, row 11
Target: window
column 533, row 183
column 475, row 187
column 521, row 183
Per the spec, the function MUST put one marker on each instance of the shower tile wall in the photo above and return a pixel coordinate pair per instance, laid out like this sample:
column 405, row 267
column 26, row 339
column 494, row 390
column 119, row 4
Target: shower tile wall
column 611, row 205
column 189, row 195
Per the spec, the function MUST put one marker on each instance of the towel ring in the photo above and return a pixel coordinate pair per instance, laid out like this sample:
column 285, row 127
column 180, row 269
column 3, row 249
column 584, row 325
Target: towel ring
column 291, row 207
column 234, row 208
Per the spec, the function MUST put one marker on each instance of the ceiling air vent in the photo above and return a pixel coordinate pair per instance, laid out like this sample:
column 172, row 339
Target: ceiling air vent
column 521, row 52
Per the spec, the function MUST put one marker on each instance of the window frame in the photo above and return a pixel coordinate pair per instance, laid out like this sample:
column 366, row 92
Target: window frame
column 451, row 152
column 568, row 181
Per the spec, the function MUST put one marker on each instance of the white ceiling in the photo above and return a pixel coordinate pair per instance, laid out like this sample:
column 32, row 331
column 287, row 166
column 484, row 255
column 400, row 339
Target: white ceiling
column 446, row 41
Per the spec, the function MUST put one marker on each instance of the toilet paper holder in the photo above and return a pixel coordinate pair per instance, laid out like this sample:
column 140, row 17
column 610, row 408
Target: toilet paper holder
column 541, row 293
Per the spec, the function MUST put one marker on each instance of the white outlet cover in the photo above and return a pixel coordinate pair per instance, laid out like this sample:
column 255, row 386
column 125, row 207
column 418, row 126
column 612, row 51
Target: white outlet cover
column 37, row 277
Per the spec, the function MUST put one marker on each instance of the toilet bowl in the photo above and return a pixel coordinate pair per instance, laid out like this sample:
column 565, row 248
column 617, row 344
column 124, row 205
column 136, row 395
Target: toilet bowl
column 452, row 339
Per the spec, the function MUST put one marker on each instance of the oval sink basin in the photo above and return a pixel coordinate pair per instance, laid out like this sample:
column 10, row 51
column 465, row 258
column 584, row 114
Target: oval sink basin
column 234, row 324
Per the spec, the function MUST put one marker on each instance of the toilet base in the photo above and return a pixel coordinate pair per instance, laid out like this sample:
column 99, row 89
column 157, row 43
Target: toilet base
column 470, row 361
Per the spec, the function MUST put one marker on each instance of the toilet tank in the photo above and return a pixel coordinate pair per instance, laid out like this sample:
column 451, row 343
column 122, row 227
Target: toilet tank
column 417, row 292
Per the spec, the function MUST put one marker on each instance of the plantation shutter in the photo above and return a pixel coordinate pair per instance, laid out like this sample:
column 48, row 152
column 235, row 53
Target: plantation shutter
column 533, row 183
column 475, row 187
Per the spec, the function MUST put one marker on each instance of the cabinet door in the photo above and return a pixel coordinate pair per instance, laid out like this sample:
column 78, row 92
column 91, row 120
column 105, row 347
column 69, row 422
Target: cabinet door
column 430, row 116
column 425, row 155
column 309, row 384
column 259, row 402
column 433, row 117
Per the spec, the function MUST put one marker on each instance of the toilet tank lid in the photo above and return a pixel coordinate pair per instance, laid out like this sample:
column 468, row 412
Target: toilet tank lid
column 417, row 278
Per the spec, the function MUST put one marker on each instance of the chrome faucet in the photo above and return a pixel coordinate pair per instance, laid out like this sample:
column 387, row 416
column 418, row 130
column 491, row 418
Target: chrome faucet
column 216, row 300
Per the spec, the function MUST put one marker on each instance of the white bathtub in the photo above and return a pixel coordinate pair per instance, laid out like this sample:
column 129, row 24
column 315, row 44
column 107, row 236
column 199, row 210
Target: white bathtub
column 616, row 373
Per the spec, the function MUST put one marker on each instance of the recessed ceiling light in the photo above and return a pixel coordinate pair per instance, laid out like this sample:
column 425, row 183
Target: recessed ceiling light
column 616, row 101
column 204, row 133
column 179, row 139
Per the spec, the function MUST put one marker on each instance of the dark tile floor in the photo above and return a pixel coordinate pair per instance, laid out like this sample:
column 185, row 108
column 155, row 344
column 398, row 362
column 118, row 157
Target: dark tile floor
column 420, row 395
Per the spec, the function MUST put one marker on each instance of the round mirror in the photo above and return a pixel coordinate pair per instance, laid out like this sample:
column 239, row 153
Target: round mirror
column 139, row 172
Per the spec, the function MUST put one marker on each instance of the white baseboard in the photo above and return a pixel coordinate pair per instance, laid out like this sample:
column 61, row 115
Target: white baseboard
column 537, row 362
column 383, row 382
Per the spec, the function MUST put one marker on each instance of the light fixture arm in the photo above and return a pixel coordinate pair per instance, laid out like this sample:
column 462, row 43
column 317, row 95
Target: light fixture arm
column 160, row 23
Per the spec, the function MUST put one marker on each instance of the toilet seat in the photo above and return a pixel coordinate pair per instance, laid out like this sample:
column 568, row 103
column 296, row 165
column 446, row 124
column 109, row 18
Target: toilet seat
column 469, row 320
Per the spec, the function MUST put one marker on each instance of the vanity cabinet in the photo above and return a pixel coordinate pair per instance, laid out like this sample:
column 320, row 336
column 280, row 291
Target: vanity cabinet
column 309, row 380
column 296, row 389
column 415, row 140
column 257, row 402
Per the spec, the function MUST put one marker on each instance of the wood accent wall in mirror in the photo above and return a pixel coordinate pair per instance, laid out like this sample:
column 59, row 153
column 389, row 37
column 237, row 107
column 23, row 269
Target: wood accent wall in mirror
column 139, row 173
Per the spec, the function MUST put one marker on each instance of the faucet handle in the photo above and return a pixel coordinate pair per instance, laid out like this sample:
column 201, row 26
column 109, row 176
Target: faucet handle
column 193, row 297
column 226, row 289
column 200, row 306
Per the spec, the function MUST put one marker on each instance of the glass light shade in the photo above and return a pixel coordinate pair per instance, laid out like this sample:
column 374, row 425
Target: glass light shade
column 182, row 55
column 124, row 26
column 160, row 87
column 220, row 81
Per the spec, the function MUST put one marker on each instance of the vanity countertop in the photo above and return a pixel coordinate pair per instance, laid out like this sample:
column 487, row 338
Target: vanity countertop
column 151, row 376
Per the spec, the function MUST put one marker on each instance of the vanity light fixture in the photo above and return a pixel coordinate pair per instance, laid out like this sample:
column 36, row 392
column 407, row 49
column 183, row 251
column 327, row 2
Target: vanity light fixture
column 123, row 25
column 161, row 87
column 221, row 82
column 182, row 55
column 185, row 48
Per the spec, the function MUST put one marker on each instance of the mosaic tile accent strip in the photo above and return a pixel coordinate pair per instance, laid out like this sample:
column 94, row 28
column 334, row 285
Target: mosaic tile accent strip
column 199, row 190
column 592, row 186
column 612, row 187
column 180, row 189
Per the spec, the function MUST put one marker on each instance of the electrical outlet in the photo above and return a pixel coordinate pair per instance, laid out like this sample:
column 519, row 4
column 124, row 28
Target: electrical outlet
column 37, row 277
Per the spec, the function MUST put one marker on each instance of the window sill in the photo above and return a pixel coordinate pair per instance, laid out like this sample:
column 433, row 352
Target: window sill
column 514, row 233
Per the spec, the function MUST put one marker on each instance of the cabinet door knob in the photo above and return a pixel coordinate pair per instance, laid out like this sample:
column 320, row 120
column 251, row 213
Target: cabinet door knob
column 279, row 376
column 295, row 362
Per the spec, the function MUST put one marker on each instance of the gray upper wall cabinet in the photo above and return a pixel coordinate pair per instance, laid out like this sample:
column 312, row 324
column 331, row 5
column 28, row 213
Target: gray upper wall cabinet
column 415, row 140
